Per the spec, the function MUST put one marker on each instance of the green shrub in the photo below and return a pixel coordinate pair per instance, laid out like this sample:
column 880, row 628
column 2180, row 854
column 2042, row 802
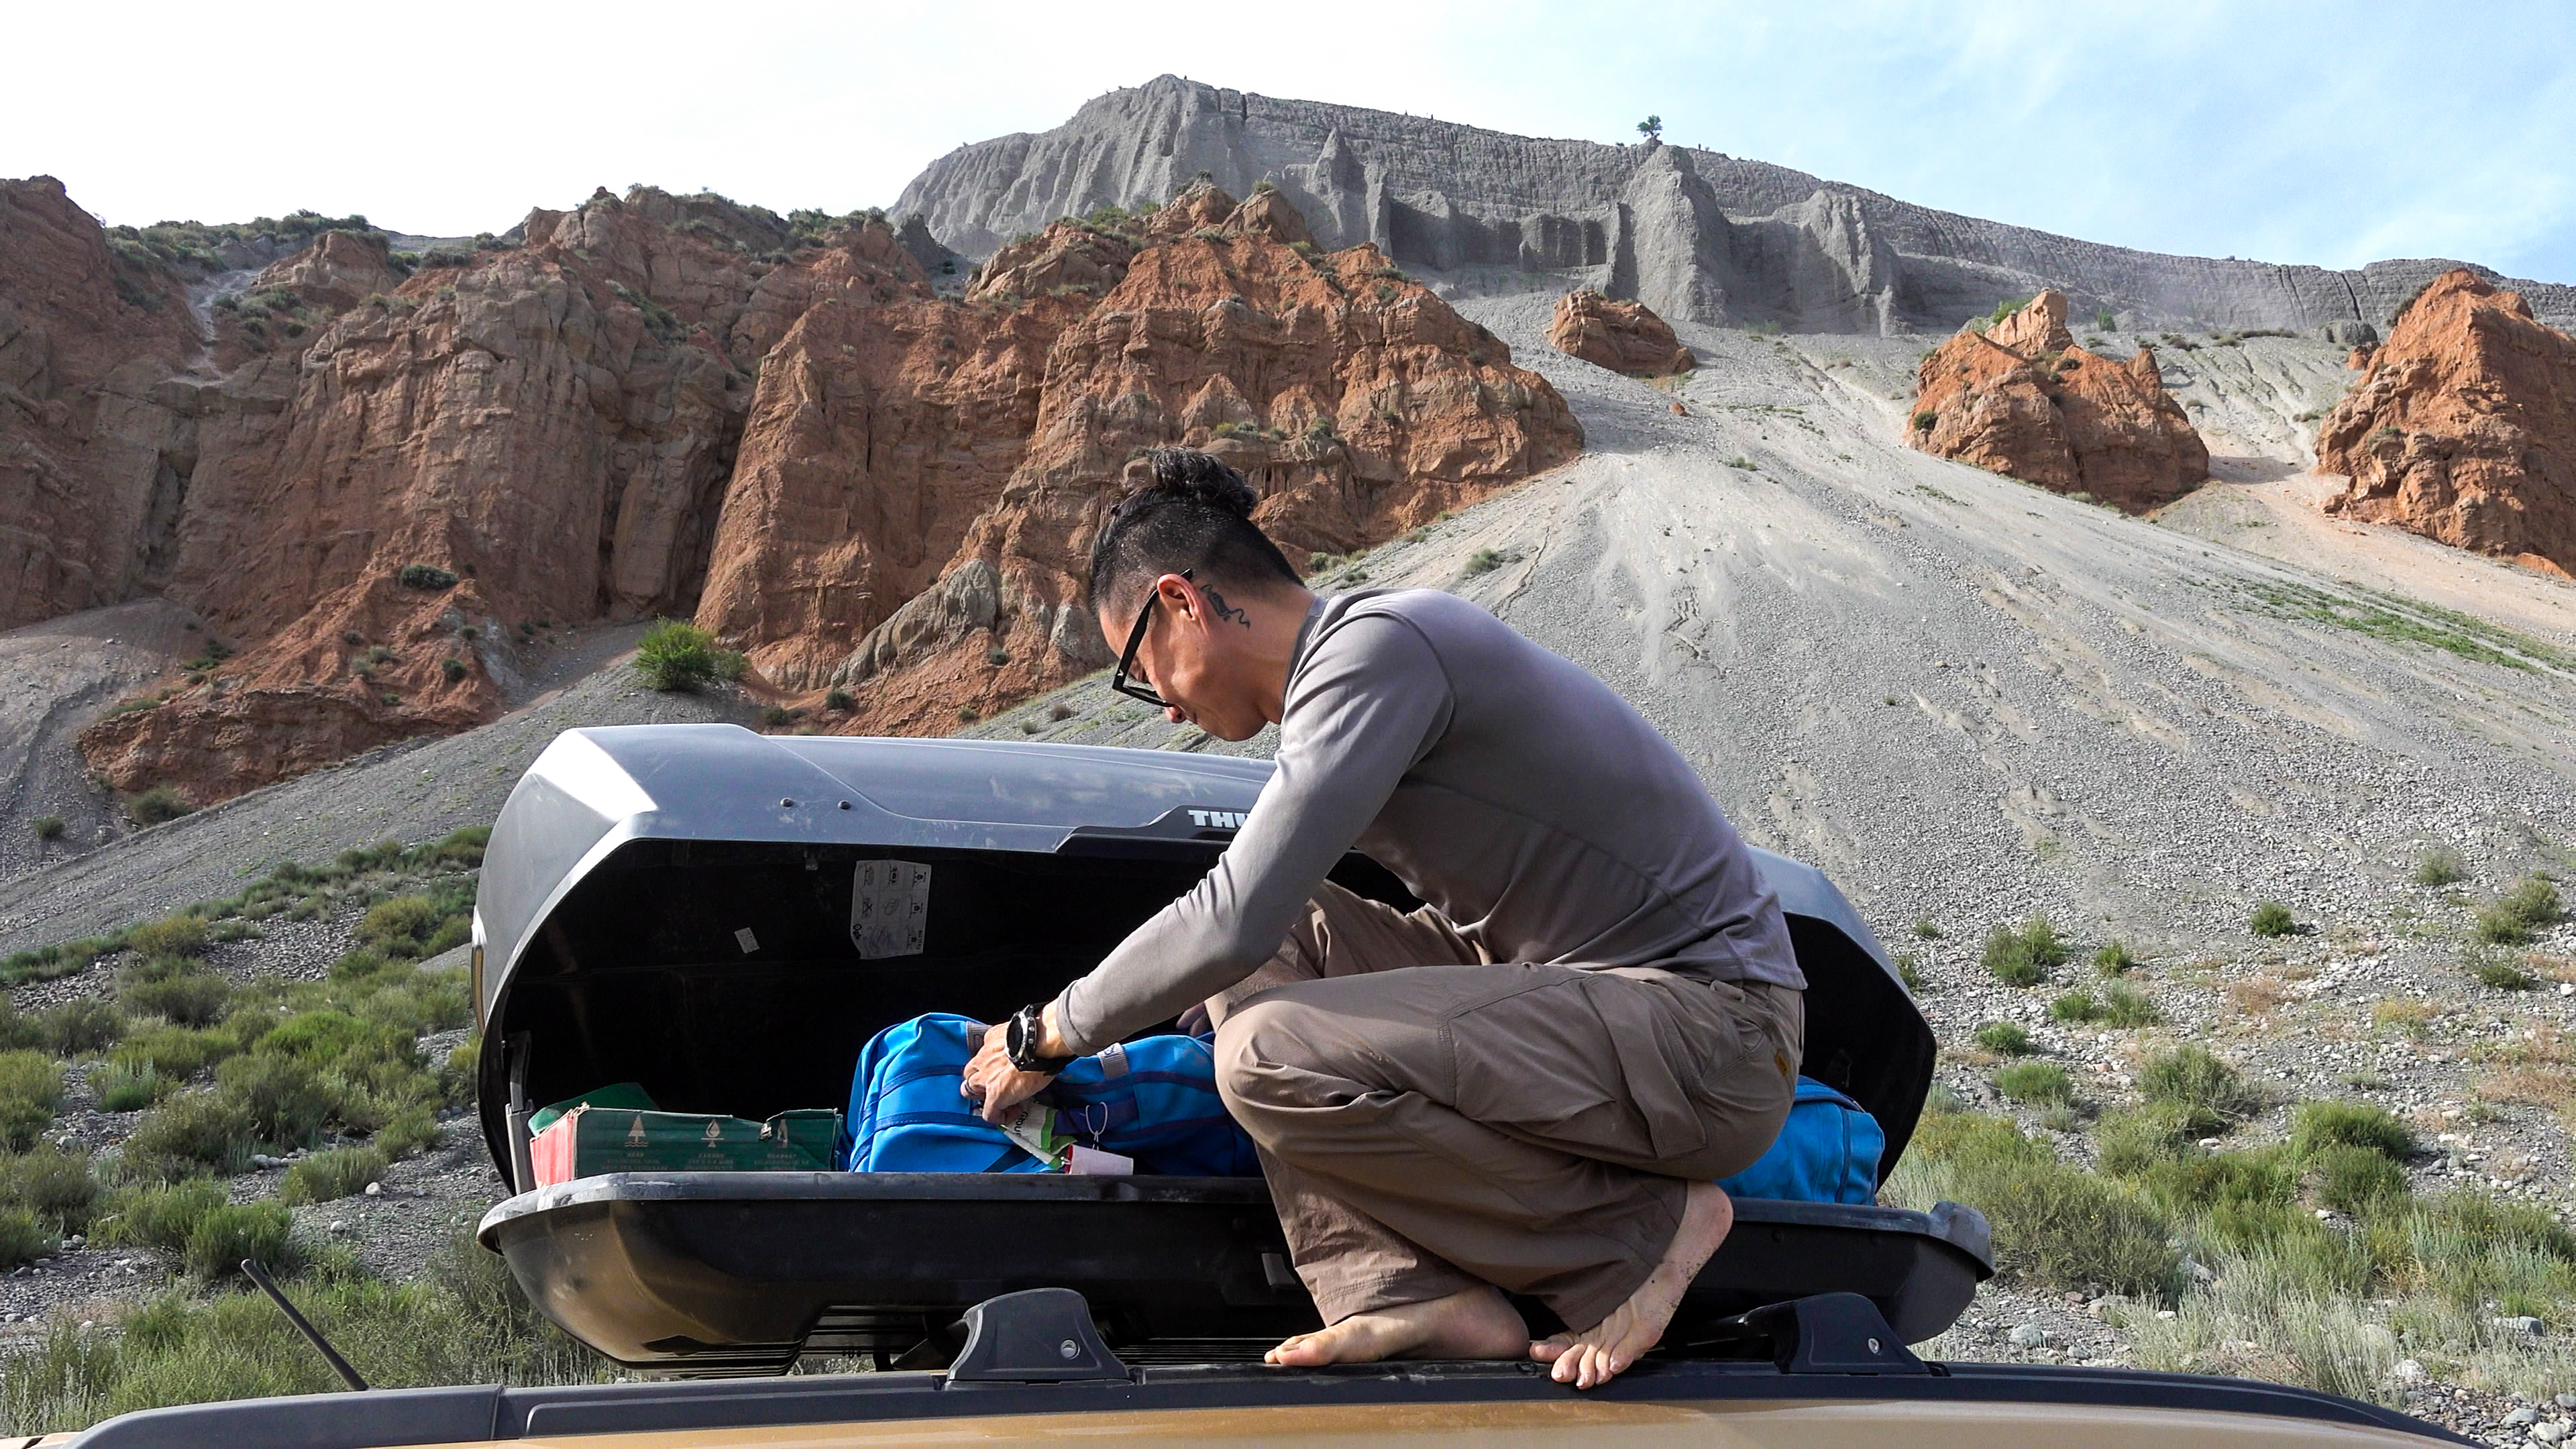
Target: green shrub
column 2211, row 1095
column 1910, row 971
column 2315, row 1126
column 124, row 1088
column 2004, row 1038
column 2440, row 866
column 47, row 827
column 193, row 1134
column 2197, row 1182
column 2075, row 1006
column 2114, row 959
column 31, row 1087
column 2271, row 919
column 24, row 1237
column 158, row 1216
column 1924, row 420
column 2535, row 901
column 424, row 576
column 18, row 1031
column 196, row 999
column 2055, row 1227
column 674, row 656
column 2355, row 1180
column 176, row 1052
column 2024, row 957
column 57, row 1186
column 284, row 1100
column 2134, row 1140
column 1928, row 929
column 259, row 1231
column 398, row 925
column 2036, row 1082
column 2128, row 1008
column 80, row 1026
column 2511, row 919
column 409, row 1131
column 180, row 936
column 839, row 699
column 158, row 806
column 328, row 1175
column 451, row 668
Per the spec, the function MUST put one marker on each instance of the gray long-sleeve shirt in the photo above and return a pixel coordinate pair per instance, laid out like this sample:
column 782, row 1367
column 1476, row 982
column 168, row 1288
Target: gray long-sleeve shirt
column 1512, row 791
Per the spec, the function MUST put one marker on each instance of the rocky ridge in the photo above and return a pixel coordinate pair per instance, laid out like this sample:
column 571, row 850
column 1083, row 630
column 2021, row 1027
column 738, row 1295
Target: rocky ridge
column 2463, row 427
column 2021, row 398
column 1697, row 235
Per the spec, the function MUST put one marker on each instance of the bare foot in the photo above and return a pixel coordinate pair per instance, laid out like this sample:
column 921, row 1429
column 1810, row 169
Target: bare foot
column 1478, row 1323
column 1603, row 1351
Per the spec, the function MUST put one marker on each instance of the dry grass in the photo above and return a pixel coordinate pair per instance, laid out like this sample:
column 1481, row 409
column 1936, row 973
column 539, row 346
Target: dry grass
column 2258, row 995
column 2534, row 1069
column 2410, row 1019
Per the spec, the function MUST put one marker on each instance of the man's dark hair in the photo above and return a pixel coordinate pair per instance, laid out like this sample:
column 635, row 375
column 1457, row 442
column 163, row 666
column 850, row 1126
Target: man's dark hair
column 1194, row 513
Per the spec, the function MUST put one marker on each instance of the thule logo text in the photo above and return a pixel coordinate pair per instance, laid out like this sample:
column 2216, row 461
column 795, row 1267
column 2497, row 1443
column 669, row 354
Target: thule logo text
column 1217, row 819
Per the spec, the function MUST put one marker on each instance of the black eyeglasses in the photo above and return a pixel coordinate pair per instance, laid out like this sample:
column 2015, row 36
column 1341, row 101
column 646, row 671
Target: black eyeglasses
column 1127, row 661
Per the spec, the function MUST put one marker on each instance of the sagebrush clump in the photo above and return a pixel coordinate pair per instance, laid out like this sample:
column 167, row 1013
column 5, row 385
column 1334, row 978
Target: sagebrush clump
column 2024, row 956
column 2211, row 1095
column 675, row 657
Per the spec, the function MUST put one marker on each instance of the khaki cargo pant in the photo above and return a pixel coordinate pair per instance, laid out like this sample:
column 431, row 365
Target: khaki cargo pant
column 1429, row 1120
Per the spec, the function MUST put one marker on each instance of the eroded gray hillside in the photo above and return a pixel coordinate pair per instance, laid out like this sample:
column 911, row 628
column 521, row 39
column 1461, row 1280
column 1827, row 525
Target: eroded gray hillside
column 1696, row 235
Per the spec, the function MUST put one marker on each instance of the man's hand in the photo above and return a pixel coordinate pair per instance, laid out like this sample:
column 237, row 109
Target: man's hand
column 993, row 1083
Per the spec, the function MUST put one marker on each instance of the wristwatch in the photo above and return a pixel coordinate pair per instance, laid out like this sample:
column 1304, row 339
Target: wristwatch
column 1020, row 1041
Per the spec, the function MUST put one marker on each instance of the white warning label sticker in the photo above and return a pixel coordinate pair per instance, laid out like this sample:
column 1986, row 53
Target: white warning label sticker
column 889, row 907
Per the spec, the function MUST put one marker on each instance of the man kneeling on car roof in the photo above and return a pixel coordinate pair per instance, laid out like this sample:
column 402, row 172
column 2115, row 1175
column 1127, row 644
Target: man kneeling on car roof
column 1530, row 1084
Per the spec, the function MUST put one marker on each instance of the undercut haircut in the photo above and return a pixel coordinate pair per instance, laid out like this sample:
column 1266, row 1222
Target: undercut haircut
column 1193, row 514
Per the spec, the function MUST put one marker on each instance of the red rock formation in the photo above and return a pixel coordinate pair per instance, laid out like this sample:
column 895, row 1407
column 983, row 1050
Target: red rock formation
column 551, row 425
column 2464, row 427
column 2022, row 399
column 1355, row 401
column 653, row 406
column 1621, row 336
column 87, row 488
column 880, row 432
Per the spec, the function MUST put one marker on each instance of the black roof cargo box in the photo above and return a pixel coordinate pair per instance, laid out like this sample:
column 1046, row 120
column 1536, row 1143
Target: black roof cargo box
column 682, row 906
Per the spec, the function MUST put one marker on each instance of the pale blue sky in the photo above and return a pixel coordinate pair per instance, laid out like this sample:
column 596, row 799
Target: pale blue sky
column 2333, row 134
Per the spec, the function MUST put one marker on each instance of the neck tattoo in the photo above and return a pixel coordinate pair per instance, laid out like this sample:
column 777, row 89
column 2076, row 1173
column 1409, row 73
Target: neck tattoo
column 1218, row 606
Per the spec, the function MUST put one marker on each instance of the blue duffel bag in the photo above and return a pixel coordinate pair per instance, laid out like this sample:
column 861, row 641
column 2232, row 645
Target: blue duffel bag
column 1826, row 1152
column 1153, row 1100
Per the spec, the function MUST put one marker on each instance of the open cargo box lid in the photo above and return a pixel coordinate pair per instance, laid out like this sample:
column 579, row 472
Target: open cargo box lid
column 679, row 905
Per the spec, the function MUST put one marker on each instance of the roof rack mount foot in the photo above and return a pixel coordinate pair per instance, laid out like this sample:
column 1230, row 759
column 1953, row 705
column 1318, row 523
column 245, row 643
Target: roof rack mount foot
column 1830, row 1333
column 1040, row 1336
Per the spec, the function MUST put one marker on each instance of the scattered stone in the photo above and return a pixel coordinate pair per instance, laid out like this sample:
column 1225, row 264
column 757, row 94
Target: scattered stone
column 2524, row 1415
column 2566, row 1401
column 2549, row 1433
column 2407, row 1371
column 375, row 1189
column 337, row 1226
column 2029, row 1335
column 2521, row 1325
